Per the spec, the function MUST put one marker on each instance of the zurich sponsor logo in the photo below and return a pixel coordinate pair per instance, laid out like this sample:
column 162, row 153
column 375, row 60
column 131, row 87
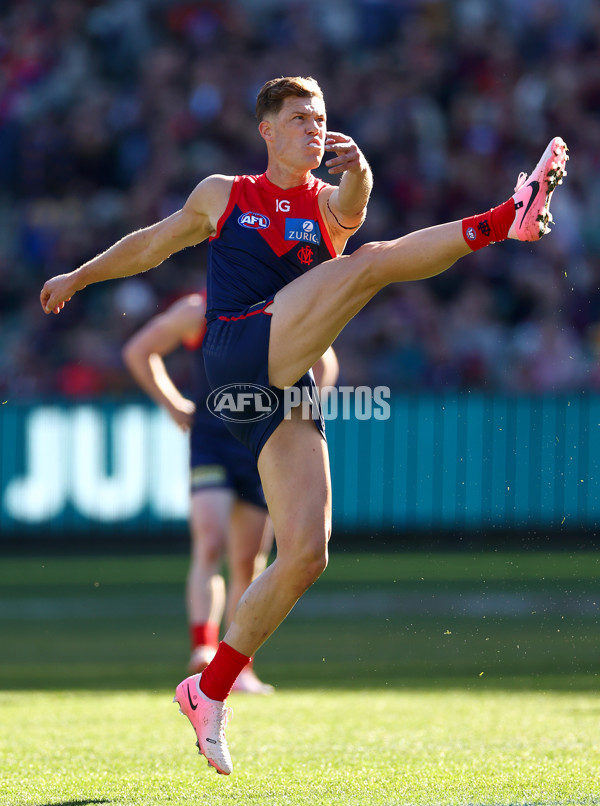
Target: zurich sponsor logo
column 302, row 229
column 254, row 221
column 242, row 402
column 471, row 234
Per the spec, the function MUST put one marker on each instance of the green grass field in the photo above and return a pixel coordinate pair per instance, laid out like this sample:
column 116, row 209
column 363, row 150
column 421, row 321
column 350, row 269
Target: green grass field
column 455, row 679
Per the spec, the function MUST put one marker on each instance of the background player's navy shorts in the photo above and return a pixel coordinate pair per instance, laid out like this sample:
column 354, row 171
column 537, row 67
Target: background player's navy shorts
column 236, row 351
column 218, row 460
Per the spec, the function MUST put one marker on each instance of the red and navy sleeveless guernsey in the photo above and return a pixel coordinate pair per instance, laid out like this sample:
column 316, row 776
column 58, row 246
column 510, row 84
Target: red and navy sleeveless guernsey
column 266, row 238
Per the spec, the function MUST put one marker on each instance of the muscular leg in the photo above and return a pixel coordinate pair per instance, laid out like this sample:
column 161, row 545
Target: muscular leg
column 250, row 540
column 294, row 469
column 246, row 551
column 309, row 312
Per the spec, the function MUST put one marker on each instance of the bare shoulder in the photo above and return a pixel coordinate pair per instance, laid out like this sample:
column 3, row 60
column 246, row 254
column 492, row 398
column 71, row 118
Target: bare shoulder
column 215, row 185
column 182, row 319
column 195, row 302
column 194, row 310
column 210, row 196
column 198, row 218
column 189, row 309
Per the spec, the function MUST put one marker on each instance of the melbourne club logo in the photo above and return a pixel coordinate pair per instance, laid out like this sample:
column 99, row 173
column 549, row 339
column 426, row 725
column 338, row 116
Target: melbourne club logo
column 305, row 255
column 242, row 402
column 484, row 228
column 254, row 221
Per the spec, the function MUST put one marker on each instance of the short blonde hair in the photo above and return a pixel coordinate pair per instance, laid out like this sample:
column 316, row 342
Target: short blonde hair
column 272, row 95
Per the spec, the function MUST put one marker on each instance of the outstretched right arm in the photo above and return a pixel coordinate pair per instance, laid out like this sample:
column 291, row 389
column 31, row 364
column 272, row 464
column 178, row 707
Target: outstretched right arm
column 148, row 247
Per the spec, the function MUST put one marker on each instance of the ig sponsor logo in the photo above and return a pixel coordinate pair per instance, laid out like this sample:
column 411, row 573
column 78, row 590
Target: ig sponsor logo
column 242, row 402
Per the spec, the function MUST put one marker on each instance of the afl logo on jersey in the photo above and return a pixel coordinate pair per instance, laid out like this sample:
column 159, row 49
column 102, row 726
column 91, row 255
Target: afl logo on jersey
column 253, row 221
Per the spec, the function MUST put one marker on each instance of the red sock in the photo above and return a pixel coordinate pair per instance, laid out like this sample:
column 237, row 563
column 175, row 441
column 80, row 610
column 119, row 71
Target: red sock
column 205, row 634
column 491, row 227
column 220, row 674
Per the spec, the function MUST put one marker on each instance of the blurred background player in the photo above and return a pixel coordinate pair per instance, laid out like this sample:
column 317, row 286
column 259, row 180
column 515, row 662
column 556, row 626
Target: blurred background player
column 228, row 513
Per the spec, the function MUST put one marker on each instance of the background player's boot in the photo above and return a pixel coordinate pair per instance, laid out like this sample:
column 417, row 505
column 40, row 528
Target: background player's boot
column 201, row 657
column 248, row 683
column 208, row 718
column 532, row 195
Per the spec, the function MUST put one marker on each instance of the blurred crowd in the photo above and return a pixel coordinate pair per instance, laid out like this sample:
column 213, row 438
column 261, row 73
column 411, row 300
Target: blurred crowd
column 111, row 112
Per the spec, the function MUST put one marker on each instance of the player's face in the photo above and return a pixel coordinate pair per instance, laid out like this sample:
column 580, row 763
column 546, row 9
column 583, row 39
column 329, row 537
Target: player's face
column 299, row 132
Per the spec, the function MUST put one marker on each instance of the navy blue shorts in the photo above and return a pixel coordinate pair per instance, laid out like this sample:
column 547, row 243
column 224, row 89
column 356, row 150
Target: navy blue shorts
column 236, row 354
column 217, row 460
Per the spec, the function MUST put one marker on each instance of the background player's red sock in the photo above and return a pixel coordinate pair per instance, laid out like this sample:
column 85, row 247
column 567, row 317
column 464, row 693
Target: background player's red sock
column 205, row 634
column 219, row 676
column 486, row 228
